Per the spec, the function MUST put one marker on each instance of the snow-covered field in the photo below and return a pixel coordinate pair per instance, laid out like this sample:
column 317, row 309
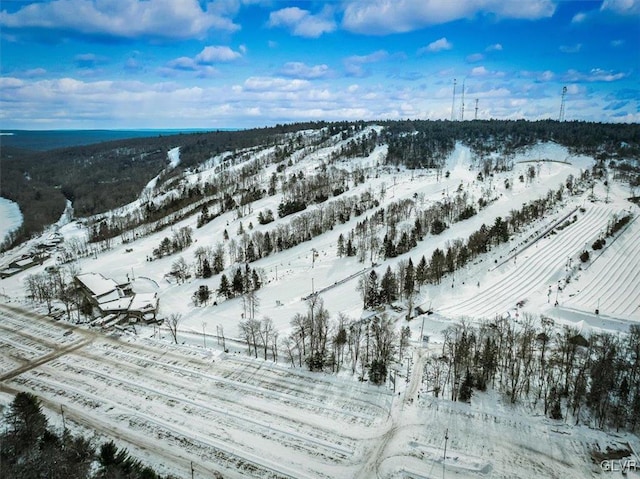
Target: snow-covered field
column 192, row 403
column 177, row 406
column 10, row 217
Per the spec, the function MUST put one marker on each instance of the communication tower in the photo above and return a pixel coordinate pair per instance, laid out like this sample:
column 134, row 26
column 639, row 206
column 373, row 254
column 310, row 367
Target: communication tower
column 564, row 92
column 462, row 106
column 453, row 102
column 476, row 116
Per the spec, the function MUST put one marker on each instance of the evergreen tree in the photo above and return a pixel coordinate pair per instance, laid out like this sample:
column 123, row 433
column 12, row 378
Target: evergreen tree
column 224, row 289
column 421, row 271
column 371, row 298
column 206, row 269
column 378, row 371
column 341, row 250
column 409, row 279
column 388, row 287
column 255, row 280
column 466, row 388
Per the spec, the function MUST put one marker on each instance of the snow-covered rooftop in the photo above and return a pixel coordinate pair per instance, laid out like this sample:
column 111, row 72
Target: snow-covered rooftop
column 97, row 283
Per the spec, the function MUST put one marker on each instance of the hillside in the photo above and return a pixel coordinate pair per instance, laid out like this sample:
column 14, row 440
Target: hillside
column 385, row 283
column 97, row 178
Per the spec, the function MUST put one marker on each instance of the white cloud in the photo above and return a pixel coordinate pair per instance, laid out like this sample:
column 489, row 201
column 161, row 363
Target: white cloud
column 35, row 72
column 183, row 63
column 621, row 7
column 594, row 75
column 579, row 17
column 214, row 54
column 496, row 47
column 164, row 19
column 301, row 70
column 617, row 43
column 380, row 17
column 475, row 58
column 354, row 65
column 259, row 101
column 262, row 84
column 202, row 61
column 436, row 46
column 481, row 71
column 302, row 23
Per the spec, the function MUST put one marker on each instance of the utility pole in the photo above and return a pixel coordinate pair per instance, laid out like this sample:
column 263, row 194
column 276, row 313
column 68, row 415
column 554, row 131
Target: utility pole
column 446, row 438
column 476, row 116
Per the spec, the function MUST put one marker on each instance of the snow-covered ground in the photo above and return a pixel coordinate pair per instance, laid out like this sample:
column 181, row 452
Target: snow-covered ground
column 10, row 217
column 177, row 404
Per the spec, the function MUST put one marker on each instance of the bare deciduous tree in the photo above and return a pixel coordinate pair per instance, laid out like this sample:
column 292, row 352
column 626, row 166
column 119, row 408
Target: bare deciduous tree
column 173, row 321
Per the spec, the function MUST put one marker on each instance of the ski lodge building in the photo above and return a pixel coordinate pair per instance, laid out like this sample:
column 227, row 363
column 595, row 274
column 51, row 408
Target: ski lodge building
column 117, row 300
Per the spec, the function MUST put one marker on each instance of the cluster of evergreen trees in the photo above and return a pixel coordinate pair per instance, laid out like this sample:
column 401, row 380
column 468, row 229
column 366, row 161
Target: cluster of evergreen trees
column 301, row 228
column 363, row 239
column 244, row 280
column 30, row 449
column 592, row 378
column 182, row 238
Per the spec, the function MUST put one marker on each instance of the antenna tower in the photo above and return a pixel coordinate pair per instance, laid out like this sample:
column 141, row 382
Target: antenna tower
column 564, row 92
column 453, row 102
column 476, row 117
column 462, row 107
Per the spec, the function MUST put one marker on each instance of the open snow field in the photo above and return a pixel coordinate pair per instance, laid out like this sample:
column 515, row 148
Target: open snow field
column 174, row 405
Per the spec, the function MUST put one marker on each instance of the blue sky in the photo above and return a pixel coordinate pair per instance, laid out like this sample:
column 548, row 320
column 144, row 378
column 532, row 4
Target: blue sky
column 246, row 63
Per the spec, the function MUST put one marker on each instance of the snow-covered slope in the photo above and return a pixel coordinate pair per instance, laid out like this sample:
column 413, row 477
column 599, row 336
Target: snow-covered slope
column 245, row 408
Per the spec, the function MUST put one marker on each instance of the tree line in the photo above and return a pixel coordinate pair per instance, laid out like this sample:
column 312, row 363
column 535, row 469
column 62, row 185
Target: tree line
column 591, row 378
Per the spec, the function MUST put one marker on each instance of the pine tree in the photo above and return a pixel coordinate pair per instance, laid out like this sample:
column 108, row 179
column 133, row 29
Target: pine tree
column 206, row 269
column 409, row 279
column 388, row 287
column 341, row 251
column 225, row 288
column 465, row 388
column 421, row 271
column 371, row 298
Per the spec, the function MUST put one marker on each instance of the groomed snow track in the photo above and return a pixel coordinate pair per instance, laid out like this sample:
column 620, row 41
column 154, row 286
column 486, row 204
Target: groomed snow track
column 536, row 270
